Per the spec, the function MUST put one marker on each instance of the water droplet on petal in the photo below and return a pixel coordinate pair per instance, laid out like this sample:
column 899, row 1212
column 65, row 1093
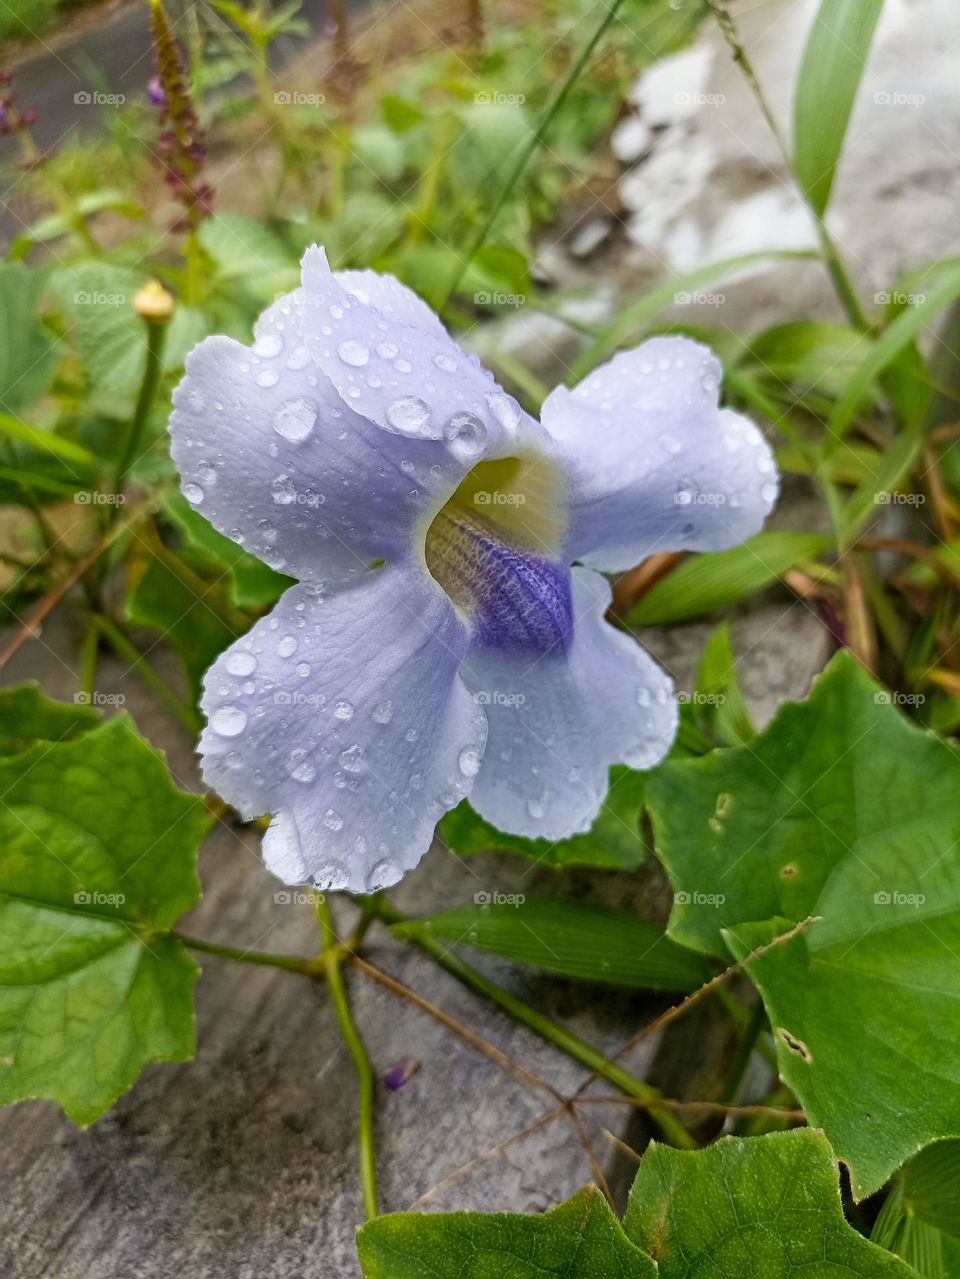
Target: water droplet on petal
column 332, row 820
column 383, row 875
column 386, row 350
column 352, row 758
column 267, row 377
column 409, row 415
column 283, row 491
column 469, row 762
column 331, row 877
column 193, row 493
column 505, row 409
column 535, row 808
column 268, row 345
column 445, row 362
column 295, row 418
column 465, row 434
column 228, row 721
column 240, row 662
column 287, row 646
column 299, row 767
column 353, row 353
column 343, row 710
column 383, row 713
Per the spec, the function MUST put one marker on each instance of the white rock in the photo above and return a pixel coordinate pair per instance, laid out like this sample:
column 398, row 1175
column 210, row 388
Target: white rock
column 589, row 236
column 630, row 139
column 673, row 88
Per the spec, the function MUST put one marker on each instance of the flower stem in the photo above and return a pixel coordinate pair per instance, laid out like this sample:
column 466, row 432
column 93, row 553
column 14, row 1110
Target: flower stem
column 546, row 1028
column 749, row 1038
column 148, row 389
column 125, row 649
column 331, row 956
column 88, row 660
column 291, row 963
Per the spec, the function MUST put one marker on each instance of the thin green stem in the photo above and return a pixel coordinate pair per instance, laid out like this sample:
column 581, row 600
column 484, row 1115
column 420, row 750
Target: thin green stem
column 741, row 1061
column 828, row 250
column 152, row 370
column 291, row 963
column 88, row 660
column 25, row 566
column 32, row 503
column 331, row 959
column 128, row 651
column 842, row 285
column 533, row 144
column 194, row 262
column 546, row 1028
column 741, row 1019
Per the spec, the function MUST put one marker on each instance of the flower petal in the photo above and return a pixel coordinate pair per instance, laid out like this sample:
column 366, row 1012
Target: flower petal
column 558, row 722
column 346, row 718
column 392, row 299
column 411, row 379
column 313, row 479
column 272, row 457
column 655, row 465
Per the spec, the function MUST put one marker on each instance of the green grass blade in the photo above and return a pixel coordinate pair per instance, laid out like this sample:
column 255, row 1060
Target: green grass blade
column 833, row 64
column 45, row 441
column 705, row 583
column 894, row 339
column 571, row 939
column 634, row 317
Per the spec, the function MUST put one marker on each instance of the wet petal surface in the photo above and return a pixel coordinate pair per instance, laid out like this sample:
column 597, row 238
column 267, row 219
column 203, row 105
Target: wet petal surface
column 655, row 465
column 347, row 718
column 558, row 720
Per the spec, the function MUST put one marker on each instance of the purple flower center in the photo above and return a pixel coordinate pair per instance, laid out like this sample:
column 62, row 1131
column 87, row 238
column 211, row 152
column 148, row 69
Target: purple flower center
column 492, row 549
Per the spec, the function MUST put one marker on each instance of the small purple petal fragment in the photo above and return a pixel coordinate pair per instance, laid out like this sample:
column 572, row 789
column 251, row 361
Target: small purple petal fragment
column 395, row 1079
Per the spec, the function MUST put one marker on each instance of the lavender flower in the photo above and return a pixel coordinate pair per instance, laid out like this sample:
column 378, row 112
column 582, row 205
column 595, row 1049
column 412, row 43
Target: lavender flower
column 437, row 644
column 180, row 142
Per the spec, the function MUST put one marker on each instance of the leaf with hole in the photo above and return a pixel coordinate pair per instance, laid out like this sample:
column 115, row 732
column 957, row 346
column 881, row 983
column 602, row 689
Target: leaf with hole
column 844, row 810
